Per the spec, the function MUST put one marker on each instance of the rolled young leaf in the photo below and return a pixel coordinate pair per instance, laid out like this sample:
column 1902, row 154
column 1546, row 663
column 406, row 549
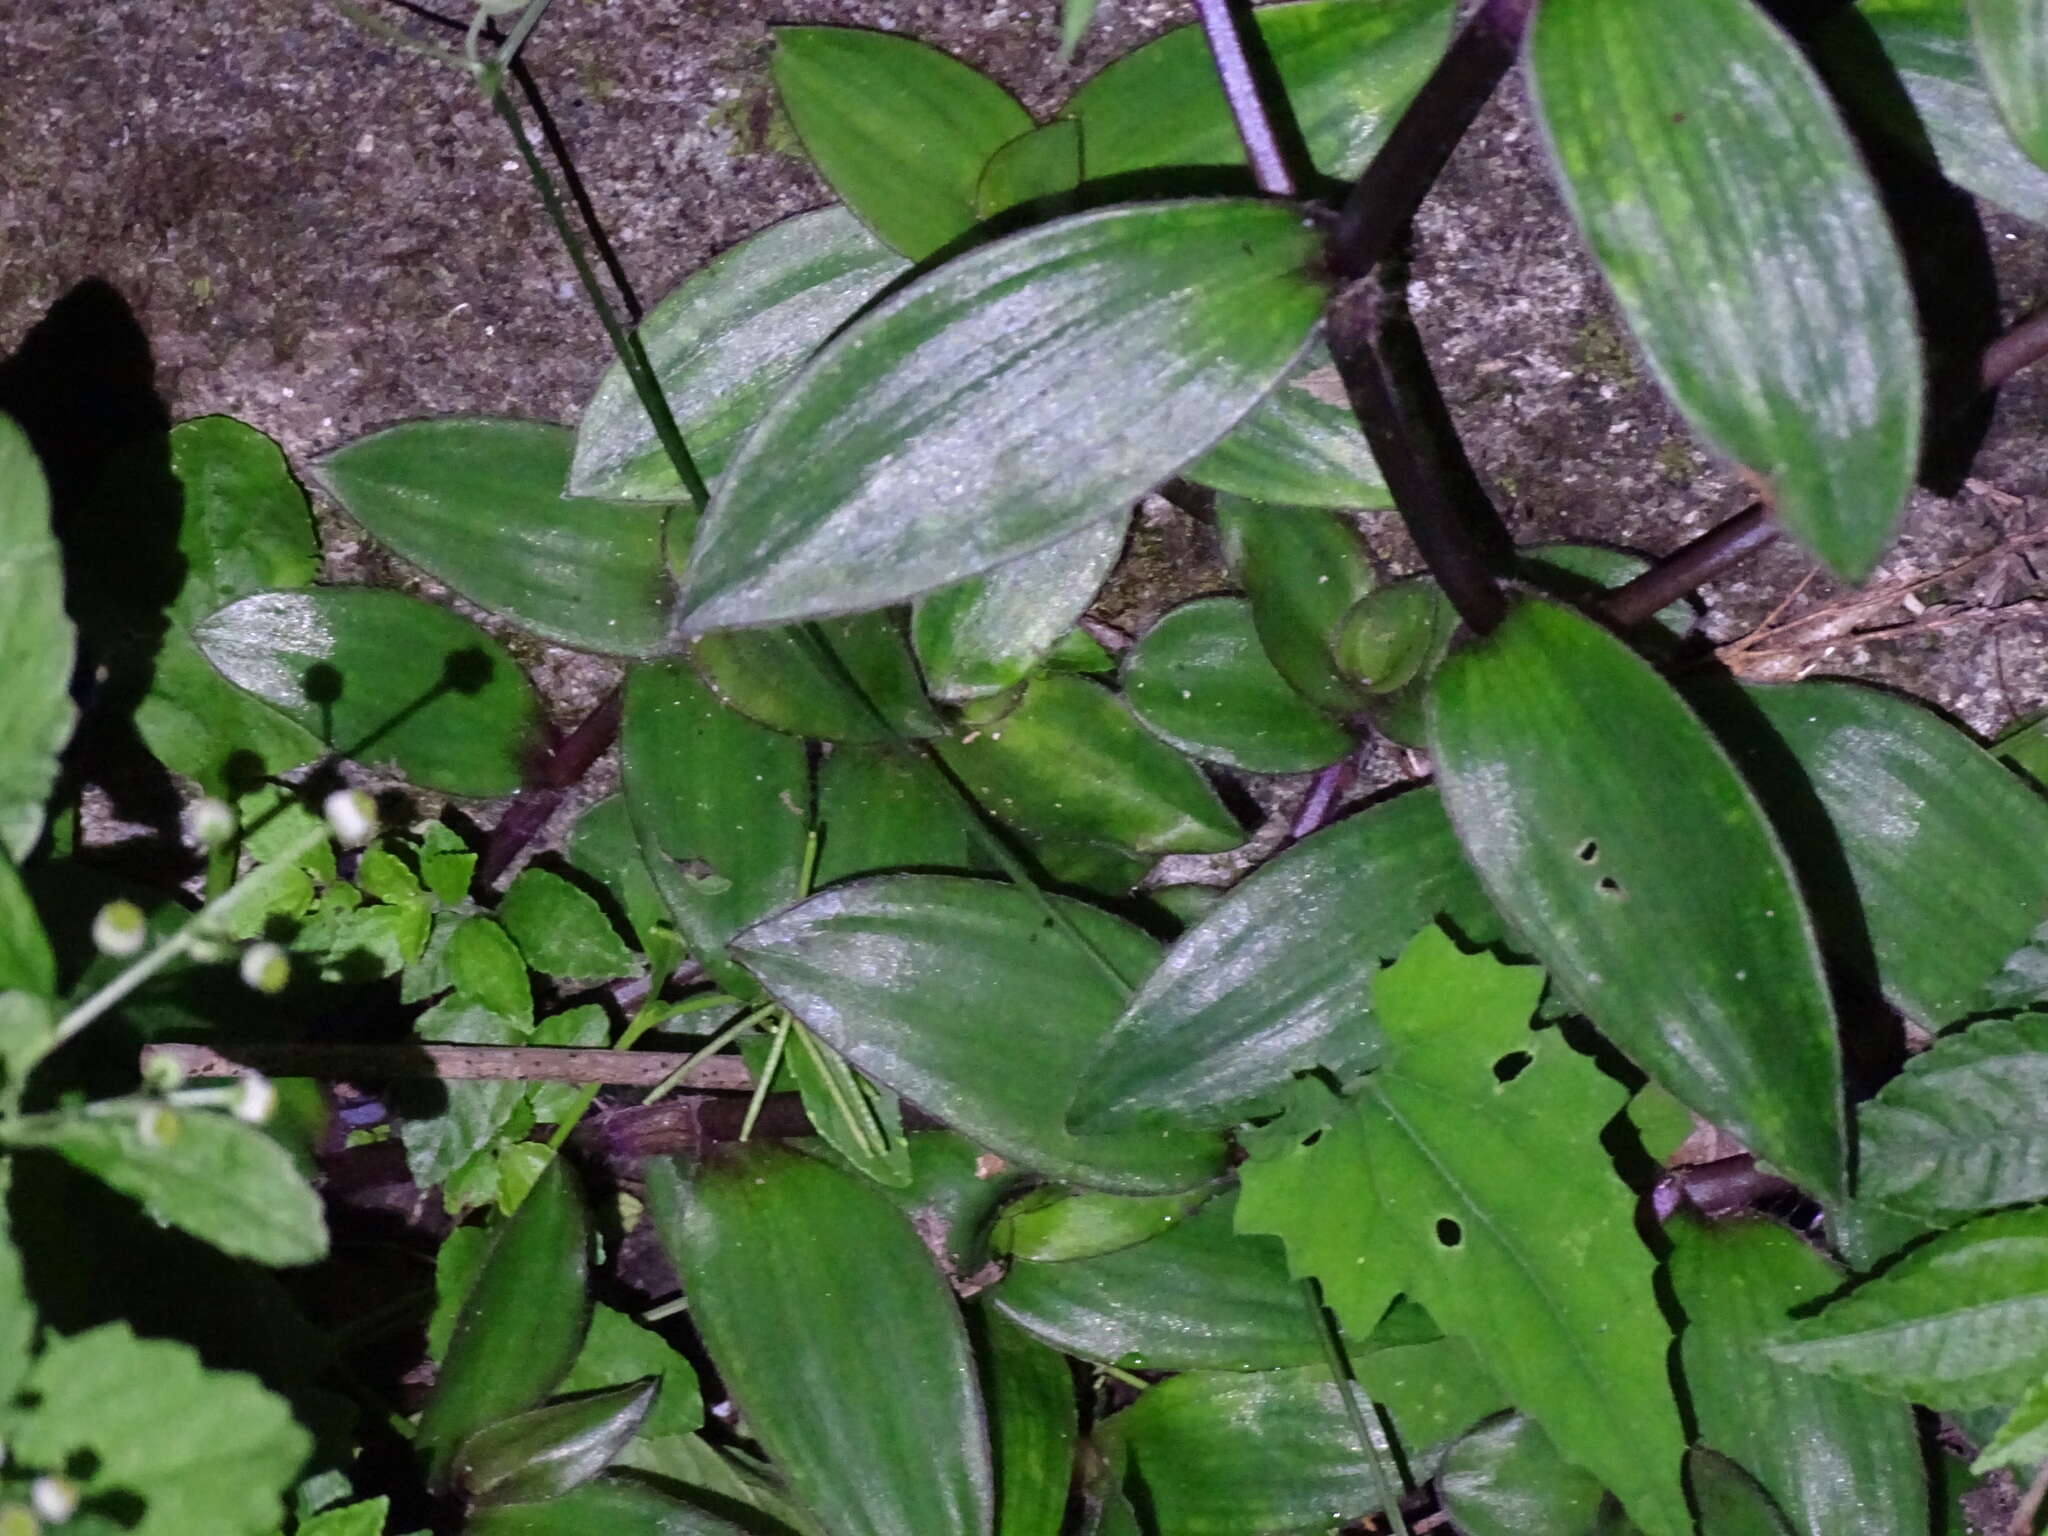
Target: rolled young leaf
column 37, row 642
column 1748, row 251
column 793, row 1271
column 2012, row 45
column 1303, row 571
column 1001, row 402
column 1622, row 847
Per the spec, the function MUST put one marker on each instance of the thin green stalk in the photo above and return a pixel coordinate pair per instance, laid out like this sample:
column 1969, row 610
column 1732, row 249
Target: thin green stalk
column 711, row 1047
column 859, row 1126
column 1115, row 1374
column 650, row 1013
column 1351, row 1391
column 768, row 1070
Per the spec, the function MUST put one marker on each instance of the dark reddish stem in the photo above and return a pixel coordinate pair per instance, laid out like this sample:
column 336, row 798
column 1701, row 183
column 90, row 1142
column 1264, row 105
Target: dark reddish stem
column 2025, row 343
column 535, row 806
column 1255, row 128
column 1711, row 554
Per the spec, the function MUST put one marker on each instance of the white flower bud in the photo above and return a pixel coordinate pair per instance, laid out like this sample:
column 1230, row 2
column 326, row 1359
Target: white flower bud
column 157, row 1126
column 211, row 822
column 352, row 815
column 164, row 1073
column 120, row 929
column 54, row 1498
column 257, row 1100
column 266, row 968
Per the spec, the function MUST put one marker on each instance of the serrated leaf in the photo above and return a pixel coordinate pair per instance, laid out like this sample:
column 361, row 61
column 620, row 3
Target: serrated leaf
column 899, row 129
column 1281, row 972
column 1505, row 1478
column 961, row 996
column 561, row 930
column 364, row 1519
column 382, row 677
column 1070, row 761
column 1201, row 680
column 1032, row 1423
column 545, row 1452
column 810, row 680
column 1958, row 1322
column 1836, row 1460
column 793, row 1269
column 1303, row 572
column 1597, row 809
column 477, row 502
column 1034, row 167
column 1297, row 449
column 2022, row 1440
column 207, row 1173
column 37, row 643
column 1469, row 1173
column 1002, row 401
column 2011, row 37
column 1196, row 1297
column 204, row 1453
column 1748, row 251
column 1964, row 1128
column 983, row 635
column 1347, row 70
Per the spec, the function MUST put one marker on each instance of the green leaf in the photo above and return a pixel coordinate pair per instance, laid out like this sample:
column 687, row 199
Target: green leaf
column 723, row 345
column 1964, row 1128
column 983, row 635
column 961, row 996
column 720, row 805
column 1347, row 70
column 545, row 1452
column 561, row 930
column 1297, row 449
column 603, row 846
column 26, row 963
column 1959, row 1322
column 205, row 1453
column 2012, row 46
column 243, row 525
column 1928, row 855
column 224, row 1182
column 1032, row 1423
column 522, row 1321
column 1280, row 975
column 1731, row 1502
column 1748, row 251
column 1200, row 679
column 1034, row 167
column 617, row 1350
column 1597, row 809
column 382, row 677
column 1002, row 401
column 199, row 724
column 37, row 642
column 610, row 1506
column 1070, row 761
column 477, row 502
column 1052, row 1225
column 2022, row 1440
column 792, row 1328
column 1838, row 1461
column 447, row 1123
column 860, row 1122
column 879, row 811
column 1470, row 1175
column 364, row 1519
column 488, row 970
column 779, row 677
column 1303, row 571
column 1196, row 1297
column 899, row 129
column 1505, row 1478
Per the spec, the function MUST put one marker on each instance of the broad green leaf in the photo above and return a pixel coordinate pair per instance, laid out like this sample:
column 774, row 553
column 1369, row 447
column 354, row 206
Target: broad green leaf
column 1034, row 167
column 1029, row 1393
column 1303, row 571
column 720, row 805
column 1930, row 866
column 1070, row 761
column 1959, row 1322
column 37, row 642
column 723, row 345
column 364, row 1519
column 1748, row 251
column 545, row 1452
column 26, row 963
column 899, row 129
column 1505, row 1478
column 1052, row 1225
column 2011, row 37
column 1196, row 1297
column 602, row 845
column 487, row 969
column 1909, row 69
column 477, row 502
column 617, row 1350
column 813, row 680
column 143, row 1422
column 1469, row 1174
column 2022, row 1440
column 224, row 1182
column 1000, row 402
column 1964, row 1128
column 1201, row 679
column 522, row 1320
column 983, row 635
column 244, row 525
column 1597, row 810
column 199, row 724
column 1296, row 450
column 1731, row 1502
column 1281, row 974
column 794, row 1270
column 382, row 677
column 1838, row 1461
column 961, row 996
column 610, row 1506
column 1348, row 68
column 879, row 811
column 561, row 930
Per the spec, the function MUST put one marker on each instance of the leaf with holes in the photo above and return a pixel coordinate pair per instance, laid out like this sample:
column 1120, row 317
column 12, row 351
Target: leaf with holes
column 1002, row 401
column 1472, row 1173
column 1748, row 250
column 2012, row 45
column 1597, row 809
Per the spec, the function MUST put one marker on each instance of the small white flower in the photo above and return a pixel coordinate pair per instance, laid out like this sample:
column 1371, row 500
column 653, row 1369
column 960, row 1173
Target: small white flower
column 211, row 822
column 352, row 815
column 266, row 968
column 257, row 1101
column 54, row 1498
column 120, row 929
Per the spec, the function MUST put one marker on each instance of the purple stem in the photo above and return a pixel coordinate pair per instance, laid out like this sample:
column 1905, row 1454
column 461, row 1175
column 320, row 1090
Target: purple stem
column 535, row 805
column 1241, row 90
column 1329, row 787
column 1712, row 553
